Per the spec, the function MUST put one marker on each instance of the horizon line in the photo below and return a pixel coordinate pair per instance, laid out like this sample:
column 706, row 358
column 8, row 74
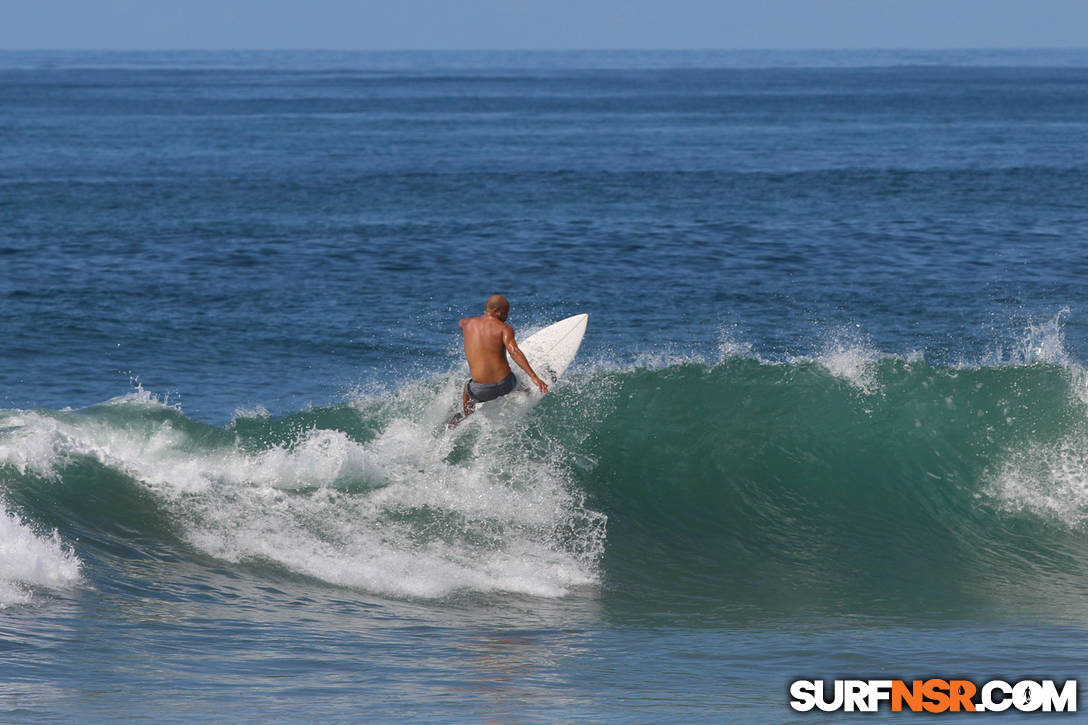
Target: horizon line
column 814, row 49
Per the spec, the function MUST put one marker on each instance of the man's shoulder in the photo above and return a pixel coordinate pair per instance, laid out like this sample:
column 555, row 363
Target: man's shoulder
column 485, row 322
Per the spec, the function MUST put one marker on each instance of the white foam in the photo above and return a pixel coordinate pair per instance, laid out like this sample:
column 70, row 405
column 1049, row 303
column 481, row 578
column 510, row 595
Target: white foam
column 1049, row 481
column 165, row 458
column 29, row 443
column 491, row 523
column 404, row 513
column 852, row 357
column 30, row 560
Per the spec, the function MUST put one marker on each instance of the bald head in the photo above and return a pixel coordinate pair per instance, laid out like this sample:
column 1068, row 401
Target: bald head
column 497, row 303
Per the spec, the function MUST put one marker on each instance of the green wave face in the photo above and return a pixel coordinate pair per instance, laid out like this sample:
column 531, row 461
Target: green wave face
column 880, row 486
column 891, row 484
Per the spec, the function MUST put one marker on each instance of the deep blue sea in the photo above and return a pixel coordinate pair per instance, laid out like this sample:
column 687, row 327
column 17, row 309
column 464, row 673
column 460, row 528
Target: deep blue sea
column 830, row 419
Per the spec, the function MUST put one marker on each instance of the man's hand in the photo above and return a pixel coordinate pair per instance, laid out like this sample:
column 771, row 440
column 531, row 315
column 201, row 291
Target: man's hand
column 541, row 384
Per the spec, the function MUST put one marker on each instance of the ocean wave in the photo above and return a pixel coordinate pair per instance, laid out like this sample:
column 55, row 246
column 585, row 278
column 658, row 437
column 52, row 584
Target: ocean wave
column 847, row 470
column 822, row 481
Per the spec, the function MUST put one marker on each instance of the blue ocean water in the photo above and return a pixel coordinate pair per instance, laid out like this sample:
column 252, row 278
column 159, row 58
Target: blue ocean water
column 830, row 418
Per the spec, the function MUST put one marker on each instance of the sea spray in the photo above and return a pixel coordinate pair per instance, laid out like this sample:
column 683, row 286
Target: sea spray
column 31, row 560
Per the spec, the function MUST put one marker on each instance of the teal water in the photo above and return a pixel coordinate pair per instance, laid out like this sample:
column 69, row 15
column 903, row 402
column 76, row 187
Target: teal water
column 829, row 419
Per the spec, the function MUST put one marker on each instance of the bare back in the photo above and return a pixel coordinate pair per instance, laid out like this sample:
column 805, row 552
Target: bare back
column 488, row 339
column 485, row 348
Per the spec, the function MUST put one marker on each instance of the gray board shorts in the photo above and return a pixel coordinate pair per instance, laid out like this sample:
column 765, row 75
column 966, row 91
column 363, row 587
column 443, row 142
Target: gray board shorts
column 483, row 392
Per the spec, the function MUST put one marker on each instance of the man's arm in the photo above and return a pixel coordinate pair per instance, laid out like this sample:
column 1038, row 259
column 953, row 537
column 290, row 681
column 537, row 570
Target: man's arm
column 519, row 357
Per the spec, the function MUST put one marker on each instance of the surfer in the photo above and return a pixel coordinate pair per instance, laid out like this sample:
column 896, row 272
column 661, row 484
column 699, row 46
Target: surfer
column 487, row 340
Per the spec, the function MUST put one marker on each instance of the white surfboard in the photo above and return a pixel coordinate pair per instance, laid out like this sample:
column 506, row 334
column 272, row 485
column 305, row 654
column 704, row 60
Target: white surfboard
column 551, row 351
